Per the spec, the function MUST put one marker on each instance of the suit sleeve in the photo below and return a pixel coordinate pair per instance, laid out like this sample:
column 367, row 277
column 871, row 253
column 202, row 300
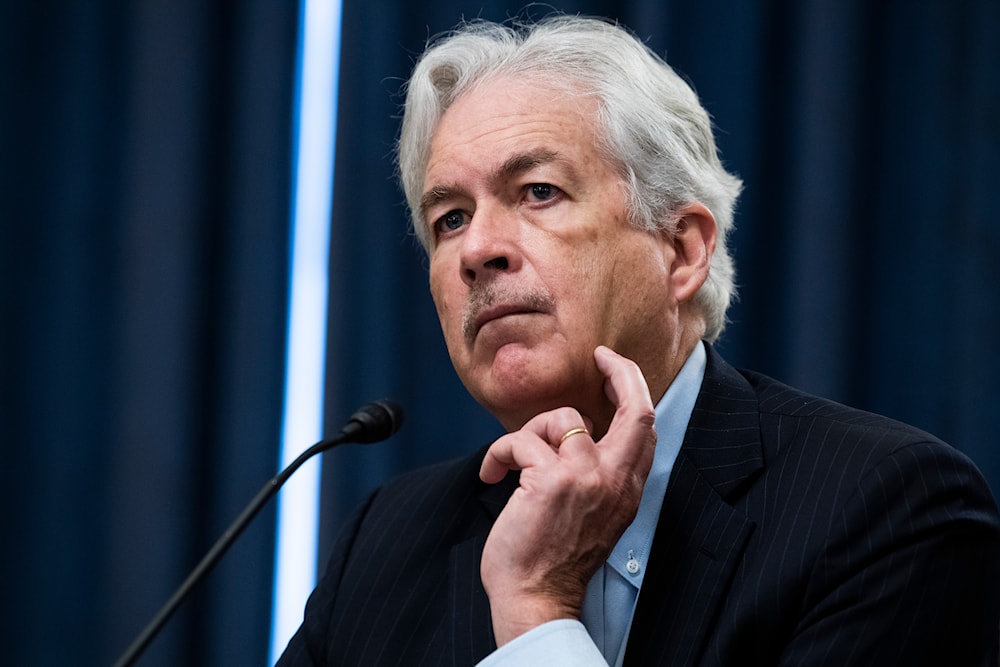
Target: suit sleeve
column 911, row 571
column 307, row 646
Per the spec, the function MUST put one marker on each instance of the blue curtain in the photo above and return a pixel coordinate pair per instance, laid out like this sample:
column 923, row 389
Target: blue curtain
column 145, row 151
column 146, row 160
column 867, row 243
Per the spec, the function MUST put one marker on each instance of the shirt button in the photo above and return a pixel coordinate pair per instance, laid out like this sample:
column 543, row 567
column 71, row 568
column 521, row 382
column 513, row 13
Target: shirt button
column 632, row 566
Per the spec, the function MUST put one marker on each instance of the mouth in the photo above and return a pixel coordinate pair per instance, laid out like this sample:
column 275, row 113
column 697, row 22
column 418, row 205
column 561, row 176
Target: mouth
column 498, row 312
column 480, row 314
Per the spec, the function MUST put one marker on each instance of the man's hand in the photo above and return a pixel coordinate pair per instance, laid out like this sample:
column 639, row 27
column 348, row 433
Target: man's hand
column 576, row 498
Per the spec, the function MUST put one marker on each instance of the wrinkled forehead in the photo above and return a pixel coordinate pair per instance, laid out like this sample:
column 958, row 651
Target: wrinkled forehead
column 509, row 99
column 499, row 120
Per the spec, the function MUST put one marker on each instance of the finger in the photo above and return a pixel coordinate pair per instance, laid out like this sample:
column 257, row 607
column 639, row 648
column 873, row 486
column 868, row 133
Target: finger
column 624, row 383
column 514, row 451
column 632, row 427
column 553, row 425
column 579, row 430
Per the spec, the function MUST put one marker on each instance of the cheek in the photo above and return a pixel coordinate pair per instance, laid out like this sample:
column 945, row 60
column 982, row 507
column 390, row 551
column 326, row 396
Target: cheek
column 447, row 303
column 634, row 278
column 436, row 279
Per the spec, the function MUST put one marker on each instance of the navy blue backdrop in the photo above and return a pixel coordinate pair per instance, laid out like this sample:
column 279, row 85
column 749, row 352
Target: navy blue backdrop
column 145, row 150
column 143, row 259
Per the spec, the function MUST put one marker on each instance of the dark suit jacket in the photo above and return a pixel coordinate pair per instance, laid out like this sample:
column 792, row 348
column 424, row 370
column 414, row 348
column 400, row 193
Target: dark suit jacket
column 794, row 531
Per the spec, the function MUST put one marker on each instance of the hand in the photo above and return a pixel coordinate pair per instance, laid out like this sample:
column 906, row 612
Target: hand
column 576, row 498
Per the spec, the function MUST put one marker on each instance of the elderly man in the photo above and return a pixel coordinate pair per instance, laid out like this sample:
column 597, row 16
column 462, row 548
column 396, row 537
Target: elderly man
column 650, row 504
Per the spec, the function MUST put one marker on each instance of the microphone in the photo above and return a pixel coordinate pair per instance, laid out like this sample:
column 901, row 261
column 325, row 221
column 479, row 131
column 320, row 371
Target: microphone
column 372, row 423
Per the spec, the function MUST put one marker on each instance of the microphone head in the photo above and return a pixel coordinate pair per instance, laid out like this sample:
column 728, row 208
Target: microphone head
column 373, row 422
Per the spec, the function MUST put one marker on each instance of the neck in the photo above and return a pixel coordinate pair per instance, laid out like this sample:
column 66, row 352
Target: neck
column 659, row 373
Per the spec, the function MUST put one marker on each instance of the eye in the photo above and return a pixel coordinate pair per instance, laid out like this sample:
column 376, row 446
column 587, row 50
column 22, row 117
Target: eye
column 542, row 191
column 449, row 222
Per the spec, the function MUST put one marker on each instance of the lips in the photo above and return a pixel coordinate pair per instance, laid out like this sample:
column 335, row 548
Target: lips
column 484, row 308
column 496, row 312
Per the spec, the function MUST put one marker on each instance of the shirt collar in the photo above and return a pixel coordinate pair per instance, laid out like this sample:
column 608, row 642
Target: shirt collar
column 673, row 413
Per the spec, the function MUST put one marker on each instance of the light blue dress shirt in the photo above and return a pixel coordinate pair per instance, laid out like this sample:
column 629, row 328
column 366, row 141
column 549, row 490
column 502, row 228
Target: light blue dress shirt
column 598, row 638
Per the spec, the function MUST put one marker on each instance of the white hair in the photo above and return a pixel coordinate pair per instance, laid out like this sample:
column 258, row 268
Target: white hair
column 649, row 121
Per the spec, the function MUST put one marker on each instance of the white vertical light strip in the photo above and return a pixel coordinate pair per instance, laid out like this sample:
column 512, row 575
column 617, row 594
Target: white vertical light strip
column 315, row 123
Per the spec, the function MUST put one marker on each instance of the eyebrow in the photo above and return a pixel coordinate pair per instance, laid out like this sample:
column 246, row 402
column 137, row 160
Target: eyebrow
column 522, row 162
column 511, row 167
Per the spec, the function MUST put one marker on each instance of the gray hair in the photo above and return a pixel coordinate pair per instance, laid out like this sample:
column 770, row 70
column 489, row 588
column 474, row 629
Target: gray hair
column 650, row 122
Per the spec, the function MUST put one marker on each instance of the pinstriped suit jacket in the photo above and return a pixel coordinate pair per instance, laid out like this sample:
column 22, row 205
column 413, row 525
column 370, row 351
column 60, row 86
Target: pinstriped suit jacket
column 794, row 531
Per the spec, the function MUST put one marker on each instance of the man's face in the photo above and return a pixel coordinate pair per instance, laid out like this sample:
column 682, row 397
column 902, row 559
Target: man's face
column 532, row 261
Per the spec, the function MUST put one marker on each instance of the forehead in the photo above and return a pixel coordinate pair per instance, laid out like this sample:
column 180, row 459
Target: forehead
column 508, row 115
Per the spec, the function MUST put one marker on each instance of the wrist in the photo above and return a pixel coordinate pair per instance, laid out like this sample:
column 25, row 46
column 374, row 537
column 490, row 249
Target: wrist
column 514, row 615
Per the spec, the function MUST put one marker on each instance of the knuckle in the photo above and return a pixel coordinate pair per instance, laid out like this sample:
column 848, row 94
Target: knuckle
column 567, row 414
column 646, row 416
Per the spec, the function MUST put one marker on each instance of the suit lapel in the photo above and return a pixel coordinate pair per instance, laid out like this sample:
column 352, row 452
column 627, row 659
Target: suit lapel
column 471, row 626
column 700, row 538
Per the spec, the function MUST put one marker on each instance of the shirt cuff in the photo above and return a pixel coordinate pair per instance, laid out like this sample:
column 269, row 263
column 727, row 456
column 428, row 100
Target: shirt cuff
column 562, row 643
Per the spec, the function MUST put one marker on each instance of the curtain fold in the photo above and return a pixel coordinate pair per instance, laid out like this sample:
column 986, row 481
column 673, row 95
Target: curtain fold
column 146, row 151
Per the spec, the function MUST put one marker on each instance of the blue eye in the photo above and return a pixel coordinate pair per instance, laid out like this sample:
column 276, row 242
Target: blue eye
column 542, row 191
column 450, row 221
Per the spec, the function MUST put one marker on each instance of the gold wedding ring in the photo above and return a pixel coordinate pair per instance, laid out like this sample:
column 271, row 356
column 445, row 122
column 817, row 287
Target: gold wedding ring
column 570, row 433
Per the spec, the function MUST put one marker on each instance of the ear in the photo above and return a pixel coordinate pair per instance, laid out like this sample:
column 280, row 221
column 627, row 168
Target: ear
column 693, row 243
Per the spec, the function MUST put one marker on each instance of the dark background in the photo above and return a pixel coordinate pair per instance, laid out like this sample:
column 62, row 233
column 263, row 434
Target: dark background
column 146, row 157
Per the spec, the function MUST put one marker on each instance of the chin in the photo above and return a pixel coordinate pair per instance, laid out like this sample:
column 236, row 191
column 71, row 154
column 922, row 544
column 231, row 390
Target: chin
column 519, row 381
column 518, row 397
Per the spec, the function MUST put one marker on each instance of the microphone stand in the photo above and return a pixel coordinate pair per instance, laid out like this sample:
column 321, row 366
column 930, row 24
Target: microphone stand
column 368, row 424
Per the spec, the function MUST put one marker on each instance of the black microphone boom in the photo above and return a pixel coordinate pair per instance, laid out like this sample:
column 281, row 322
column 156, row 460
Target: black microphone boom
column 373, row 422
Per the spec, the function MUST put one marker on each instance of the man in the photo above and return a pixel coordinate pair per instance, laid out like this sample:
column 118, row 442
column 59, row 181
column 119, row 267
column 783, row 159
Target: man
column 649, row 504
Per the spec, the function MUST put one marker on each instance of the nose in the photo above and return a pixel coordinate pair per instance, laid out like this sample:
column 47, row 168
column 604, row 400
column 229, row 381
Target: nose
column 490, row 245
